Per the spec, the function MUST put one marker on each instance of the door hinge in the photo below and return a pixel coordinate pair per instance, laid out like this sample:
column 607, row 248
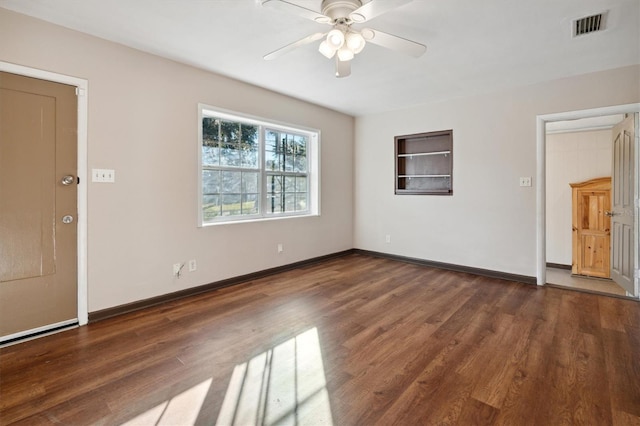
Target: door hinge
column 80, row 91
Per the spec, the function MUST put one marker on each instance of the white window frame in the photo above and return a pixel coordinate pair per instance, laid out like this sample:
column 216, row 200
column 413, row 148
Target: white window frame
column 313, row 168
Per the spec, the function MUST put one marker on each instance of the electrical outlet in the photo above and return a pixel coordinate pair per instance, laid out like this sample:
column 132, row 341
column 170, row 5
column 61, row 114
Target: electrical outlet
column 387, row 238
column 280, row 248
column 525, row 181
column 193, row 266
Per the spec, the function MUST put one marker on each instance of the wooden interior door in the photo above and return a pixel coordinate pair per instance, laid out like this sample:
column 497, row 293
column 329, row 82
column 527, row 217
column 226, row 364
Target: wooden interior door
column 591, row 227
column 38, row 205
column 622, row 211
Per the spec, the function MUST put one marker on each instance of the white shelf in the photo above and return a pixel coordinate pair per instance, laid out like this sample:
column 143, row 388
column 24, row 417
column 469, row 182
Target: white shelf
column 421, row 154
column 424, row 176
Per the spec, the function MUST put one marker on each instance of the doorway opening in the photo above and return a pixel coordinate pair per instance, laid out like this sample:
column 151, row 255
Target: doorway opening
column 576, row 148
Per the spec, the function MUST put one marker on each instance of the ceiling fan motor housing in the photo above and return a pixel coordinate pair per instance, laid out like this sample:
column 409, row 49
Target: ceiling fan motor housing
column 339, row 9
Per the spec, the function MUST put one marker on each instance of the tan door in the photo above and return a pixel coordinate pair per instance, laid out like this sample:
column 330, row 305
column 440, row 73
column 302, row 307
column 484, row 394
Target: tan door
column 38, row 250
column 622, row 236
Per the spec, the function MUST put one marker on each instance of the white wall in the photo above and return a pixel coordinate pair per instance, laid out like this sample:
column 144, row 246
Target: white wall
column 571, row 158
column 490, row 221
column 143, row 123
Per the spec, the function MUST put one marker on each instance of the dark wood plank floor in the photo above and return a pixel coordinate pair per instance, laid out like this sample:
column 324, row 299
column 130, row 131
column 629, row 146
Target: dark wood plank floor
column 355, row 340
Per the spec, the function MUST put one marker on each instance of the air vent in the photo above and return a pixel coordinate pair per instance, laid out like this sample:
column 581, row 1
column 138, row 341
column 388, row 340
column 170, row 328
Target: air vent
column 589, row 24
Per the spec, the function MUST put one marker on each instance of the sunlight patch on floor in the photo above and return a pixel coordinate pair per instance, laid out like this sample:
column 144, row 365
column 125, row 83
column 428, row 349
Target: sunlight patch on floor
column 182, row 409
column 285, row 385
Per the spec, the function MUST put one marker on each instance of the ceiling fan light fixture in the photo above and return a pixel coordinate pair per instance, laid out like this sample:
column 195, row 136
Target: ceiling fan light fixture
column 323, row 20
column 335, row 39
column 368, row 34
column 326, row 50
column 345, row 54
column 355, row 42
column 357, row 17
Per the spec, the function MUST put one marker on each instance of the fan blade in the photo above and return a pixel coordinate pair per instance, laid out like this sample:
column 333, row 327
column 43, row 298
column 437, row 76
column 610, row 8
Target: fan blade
column 393, row 42
column 343, row 68
column 297, row 10
column 289, row 47
column 375, row 8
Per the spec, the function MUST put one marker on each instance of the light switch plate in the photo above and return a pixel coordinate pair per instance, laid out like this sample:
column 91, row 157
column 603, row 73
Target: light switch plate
column 103, row 175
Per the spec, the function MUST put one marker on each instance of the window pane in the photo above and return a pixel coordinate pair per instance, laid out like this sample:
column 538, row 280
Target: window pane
column 301, row 184
column 274, row 203
column 301, row 201
column 300, row 164
column 289, row 148
column 231, row 182
column 230, row 156
column 211, row 207
column 231, row 204
column 300, row 142
column 281, row 143
column 229, row 134
column 249, row 156
column 290, row 184
column 249, row 182
column 248, row 134
column 210, row 155
column 210, row 181
column 270, row 140
column 274, row 183
column 210, row 131
column 249, row 145
column 290, row 202
column 274, row 193
column 274, row 146
column 272, row 161
column 250, row 204
column 288, row 163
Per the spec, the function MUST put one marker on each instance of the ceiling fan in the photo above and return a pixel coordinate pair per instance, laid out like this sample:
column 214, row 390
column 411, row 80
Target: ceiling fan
column 344, row 41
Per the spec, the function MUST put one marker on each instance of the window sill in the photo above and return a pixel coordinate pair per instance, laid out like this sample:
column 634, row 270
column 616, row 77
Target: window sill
column 257, row 219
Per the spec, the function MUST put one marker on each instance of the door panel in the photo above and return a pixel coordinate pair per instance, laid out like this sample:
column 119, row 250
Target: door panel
column 591, row 227
column 595, row 234
column 38, row 254
column 28, row 202
column 622, row 250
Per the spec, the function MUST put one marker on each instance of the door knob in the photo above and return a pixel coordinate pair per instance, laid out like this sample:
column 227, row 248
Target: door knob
column 67, row 180
column 610, row 213
column 67, row 219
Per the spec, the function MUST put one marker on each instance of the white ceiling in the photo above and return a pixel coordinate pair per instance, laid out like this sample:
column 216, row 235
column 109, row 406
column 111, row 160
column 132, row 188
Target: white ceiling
column 473, row 46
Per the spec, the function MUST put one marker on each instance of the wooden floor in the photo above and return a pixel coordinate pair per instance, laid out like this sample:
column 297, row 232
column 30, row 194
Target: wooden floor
column 355, row 340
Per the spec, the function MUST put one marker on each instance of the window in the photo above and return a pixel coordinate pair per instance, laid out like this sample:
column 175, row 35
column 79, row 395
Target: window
column 252, row 169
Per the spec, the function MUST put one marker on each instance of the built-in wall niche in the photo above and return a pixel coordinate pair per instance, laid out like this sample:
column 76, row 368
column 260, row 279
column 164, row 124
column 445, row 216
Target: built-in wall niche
column 424, row 163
